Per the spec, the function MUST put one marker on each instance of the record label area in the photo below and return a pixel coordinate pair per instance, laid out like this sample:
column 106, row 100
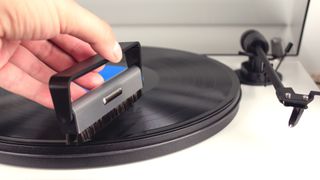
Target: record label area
column 186, row 99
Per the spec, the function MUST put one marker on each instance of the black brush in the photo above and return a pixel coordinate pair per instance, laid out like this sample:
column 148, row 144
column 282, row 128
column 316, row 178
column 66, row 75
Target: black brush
column 91, row 113
column 89, row 133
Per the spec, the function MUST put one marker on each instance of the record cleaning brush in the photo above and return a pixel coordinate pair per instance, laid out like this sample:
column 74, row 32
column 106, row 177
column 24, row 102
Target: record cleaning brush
column 89, row 114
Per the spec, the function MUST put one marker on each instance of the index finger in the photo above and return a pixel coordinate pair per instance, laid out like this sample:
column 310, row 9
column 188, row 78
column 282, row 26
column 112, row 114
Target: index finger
column 86, row 26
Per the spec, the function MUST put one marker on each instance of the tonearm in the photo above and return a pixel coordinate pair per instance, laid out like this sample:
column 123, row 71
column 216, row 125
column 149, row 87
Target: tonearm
column 256, row 47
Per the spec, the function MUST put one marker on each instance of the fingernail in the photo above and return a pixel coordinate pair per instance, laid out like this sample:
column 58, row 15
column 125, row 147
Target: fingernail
column 117, row 52
column 97, row 80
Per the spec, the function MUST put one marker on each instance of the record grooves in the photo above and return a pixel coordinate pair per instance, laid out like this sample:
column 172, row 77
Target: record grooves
column 186, row 99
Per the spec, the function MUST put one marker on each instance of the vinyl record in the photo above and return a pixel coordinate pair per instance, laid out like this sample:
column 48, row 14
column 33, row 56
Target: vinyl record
column 186, row 99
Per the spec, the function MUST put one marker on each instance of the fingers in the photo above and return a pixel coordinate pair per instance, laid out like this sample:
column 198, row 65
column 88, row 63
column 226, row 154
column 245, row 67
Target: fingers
column 86, row 26
column 7, row 48
column 32, row 66
column 75, row 47
column 49, row 54
column 17, row 81
column 59, row 61
column 51, row 18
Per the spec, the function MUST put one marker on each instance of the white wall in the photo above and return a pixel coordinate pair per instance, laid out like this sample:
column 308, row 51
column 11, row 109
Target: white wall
column 201, row 26
column 310, row 49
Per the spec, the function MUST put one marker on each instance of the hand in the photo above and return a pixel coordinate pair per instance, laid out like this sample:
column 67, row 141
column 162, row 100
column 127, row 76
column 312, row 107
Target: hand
column 41, row 37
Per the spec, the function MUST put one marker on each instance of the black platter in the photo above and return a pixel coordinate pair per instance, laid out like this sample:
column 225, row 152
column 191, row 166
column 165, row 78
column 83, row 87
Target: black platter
column 186, row 99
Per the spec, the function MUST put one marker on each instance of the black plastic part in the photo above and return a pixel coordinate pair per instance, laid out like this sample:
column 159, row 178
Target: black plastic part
column 295, row 116
column 252, row 71
column 252, row 39
column 287, row 50
column 180, row 107
column 249, row 76
column 60, row 84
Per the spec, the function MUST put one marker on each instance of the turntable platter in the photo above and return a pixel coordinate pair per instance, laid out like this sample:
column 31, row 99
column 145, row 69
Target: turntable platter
column 186, row 99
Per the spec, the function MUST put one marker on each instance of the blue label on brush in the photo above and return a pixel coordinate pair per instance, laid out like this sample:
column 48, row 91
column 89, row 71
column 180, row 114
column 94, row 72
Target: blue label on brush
column 110, row 71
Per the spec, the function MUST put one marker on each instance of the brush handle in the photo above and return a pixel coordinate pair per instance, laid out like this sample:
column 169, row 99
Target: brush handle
column 59, row 83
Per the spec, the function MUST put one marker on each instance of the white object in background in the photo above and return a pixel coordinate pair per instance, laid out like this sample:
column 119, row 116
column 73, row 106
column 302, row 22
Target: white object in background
column 310, row 48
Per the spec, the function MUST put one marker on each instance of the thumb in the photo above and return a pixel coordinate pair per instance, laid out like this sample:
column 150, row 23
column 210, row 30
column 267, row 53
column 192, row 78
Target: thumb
column 79, row 22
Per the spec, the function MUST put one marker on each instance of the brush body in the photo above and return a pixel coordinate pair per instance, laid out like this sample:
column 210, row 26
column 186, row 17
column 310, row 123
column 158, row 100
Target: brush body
column 109, row 101
column 82, row 119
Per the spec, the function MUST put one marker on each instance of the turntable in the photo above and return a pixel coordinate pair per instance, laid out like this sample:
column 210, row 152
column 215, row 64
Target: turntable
column 192, row 105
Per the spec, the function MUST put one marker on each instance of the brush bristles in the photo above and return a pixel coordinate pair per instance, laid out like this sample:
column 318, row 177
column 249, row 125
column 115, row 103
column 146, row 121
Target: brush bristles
column 89, row 133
